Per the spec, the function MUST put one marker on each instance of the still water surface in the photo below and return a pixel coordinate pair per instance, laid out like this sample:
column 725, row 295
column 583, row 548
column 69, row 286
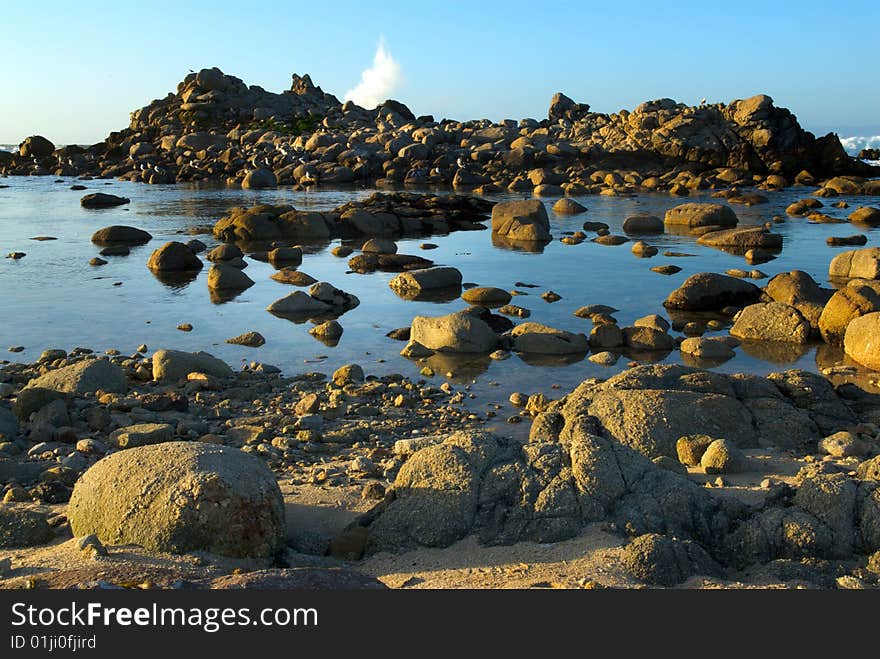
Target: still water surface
column 53, row 298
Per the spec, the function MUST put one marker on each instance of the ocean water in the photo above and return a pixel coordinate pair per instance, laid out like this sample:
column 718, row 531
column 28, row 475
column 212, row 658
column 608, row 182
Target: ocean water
column 53, row 298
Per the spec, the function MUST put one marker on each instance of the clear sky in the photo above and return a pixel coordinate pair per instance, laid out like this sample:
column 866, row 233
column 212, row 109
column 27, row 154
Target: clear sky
column 73, row 71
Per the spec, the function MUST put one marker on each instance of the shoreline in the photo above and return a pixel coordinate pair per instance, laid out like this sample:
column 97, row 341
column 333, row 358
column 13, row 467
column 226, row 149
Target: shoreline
column 341, row 470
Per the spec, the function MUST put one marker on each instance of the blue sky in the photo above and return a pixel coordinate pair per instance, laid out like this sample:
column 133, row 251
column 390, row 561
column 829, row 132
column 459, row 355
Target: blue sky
column 73, row 71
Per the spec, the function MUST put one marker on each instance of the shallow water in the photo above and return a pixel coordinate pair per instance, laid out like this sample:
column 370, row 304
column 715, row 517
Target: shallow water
column 53, row 298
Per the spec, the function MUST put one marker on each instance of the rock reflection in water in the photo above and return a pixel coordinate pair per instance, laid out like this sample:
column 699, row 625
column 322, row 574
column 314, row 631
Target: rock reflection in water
column 503, row 242
column 775, row 352
column 431, row 295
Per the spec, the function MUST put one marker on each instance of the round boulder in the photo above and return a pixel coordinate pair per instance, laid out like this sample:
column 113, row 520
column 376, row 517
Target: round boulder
column 174, row 257
column 180, row 497
column 862, row 340
column 637, row 224
column 120, row 235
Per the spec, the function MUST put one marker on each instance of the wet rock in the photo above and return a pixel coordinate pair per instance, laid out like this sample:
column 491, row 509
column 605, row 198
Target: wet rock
column 174, row 257
column 102, row 200
column 710, row 291
column 486, row 296
column 379, row 246
column 222, row 277
column 250, row 339
column 641, row 224
column 697, row 215
column 741, row 239
column 799, row 290
column 772, row 321
column 293, row 276
column 535, row 338
column 566, row 206
column 462, row 331
column 180, row 497
column 225, row 252
column 121, row 235
column 647, row 338
column 865, row 215
column 414, row 282
column 329, row 330
column 299, row 303
column 259, row 178
column 525, row 221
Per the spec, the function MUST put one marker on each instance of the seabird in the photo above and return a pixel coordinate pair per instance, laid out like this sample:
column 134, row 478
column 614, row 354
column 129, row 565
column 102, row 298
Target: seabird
column 461, row 163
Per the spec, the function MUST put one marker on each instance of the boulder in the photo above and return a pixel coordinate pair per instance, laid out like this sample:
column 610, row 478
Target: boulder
column 181, row 497
column 742, row 239
column 172, row 365
column 847, row 304
column 298, row 303
column 285, row 256
column 142, row 434
column 259, row 178
column 658, row 560
column 856, row 264
column 227, row 277
column 36, row 146
column 379, row 246
column 102, row 200
column 413, row 282
column 566, row 206
column 696, row 215
column 462, row 332
column 862, row 340
column 865, row 215
column 650, row 339
column 772, row 321
column 722, row 457
column 83, row 377
column 639, row 224
column 120, row 235
column 335, row 298
column 799, row 290
column 224, row 252
column 524, row 221
column 174, row 257
column 487, row 296
column 539, row 339
column 708, row 291
column 249, row 339
column 690, row 448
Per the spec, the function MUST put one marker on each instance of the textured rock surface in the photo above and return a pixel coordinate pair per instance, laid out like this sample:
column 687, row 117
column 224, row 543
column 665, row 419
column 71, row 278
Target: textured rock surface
column 179, row 497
